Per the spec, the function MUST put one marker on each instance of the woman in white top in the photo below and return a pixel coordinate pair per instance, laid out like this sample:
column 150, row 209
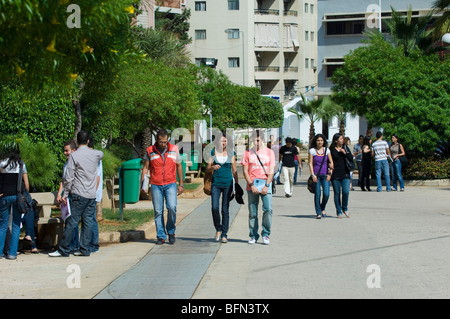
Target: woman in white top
column 9, row 174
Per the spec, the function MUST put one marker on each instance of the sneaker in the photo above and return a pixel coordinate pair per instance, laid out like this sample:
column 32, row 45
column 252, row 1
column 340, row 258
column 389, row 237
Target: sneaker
column 339, row 215
column 252, row 241
column 224, row 240
column 266, row 240
column 79, row 253
column 318, row 216
column 10, row 257
column 160, row 241
column 56, row 254
column 172, row 239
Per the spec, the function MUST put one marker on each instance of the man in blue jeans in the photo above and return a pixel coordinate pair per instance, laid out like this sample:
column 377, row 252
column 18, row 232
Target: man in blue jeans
column 163, row 161
column 80, row 188
column 380, row 150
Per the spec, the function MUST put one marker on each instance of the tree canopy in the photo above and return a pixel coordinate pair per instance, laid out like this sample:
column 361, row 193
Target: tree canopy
column 406, row 95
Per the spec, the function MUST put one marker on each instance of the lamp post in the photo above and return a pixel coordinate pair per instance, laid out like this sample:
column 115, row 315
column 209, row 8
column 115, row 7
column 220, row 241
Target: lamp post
column 230, row 31
column 379, row 16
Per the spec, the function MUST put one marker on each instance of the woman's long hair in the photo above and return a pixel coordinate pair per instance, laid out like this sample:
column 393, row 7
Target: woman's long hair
column 12, row 153
column 314, row 141
column 335, row 138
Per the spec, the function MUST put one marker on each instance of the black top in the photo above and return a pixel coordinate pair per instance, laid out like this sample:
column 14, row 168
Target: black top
column 340, row 167
column 288, row 155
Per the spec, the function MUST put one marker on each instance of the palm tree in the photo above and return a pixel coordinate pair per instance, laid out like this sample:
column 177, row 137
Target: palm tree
column 409, row 33
column 442, row 24
column 313, row 110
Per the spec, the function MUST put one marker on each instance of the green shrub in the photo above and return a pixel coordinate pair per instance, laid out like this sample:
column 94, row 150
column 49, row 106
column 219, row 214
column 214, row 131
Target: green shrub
column 428, row 168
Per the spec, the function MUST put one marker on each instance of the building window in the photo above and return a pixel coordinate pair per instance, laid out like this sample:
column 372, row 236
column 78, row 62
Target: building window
column 233, row 62
column 312, row 63
column 306, row 35
column 311, row 9
column 345, row 27
column 312, row 36
column 200, row 34
column 306, row 8
column 233, row 33
column 200, row 5
column 306, row 63
column 233, row 4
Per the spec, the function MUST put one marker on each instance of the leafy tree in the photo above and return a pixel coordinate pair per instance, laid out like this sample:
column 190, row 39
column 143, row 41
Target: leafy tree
column 442, row 23
column 41, row 42
column 407, row 95
column 178, row 24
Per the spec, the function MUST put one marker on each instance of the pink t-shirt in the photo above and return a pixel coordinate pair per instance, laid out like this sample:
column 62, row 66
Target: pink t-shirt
column 255, row 170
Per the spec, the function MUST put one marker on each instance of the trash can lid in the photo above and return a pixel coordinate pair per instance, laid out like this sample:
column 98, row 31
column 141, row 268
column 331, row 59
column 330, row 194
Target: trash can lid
column 132, row 164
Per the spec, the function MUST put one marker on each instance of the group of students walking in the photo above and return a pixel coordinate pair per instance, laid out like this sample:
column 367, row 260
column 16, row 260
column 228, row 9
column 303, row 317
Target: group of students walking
column 334, row 165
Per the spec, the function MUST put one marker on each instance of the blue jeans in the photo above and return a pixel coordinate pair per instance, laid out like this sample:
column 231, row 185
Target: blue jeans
column 84, row 209
column 253, row 202
column 6, row 204
column 169, row 194
column 396, row 170
column 216, row 191
column 297, row 168
column 325, row 185
column 382, row 166
column 338, row 185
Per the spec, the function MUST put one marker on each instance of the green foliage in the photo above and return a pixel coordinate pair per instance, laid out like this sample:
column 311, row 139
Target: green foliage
column 37, row 46
column 41, row 163
column 41, row 117
column 175, row 23
column 235, row 106
column 428, row 168
column 406, row 95
column 110, row 164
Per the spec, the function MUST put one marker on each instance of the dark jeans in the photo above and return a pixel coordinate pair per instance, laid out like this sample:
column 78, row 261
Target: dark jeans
column 216, row 191
column 84, row 209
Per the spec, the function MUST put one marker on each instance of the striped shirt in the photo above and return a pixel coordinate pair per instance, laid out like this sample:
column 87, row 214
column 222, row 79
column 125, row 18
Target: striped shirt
column 379, row 148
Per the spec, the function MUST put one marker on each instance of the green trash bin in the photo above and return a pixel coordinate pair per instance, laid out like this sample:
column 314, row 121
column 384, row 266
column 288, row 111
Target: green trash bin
column 194, row 159
column 183, row 164
column 130, row 180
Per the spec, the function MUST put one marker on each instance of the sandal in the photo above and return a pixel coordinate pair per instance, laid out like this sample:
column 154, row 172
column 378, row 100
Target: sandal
column 347, row 214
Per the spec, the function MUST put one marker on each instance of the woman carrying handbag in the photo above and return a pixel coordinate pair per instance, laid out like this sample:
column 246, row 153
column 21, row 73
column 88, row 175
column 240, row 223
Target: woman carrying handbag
column 223, row 164
column 319, row 161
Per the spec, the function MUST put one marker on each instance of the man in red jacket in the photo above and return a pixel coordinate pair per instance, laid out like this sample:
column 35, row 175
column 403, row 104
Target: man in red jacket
column 163, row 161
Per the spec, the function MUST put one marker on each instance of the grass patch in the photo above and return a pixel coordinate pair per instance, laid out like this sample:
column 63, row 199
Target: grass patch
column 191, row 186
column 132, row 219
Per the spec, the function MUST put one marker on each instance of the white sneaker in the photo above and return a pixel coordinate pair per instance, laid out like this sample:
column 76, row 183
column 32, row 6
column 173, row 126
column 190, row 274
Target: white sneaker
column 266, row 240
column 252, row 241
column 55, row 254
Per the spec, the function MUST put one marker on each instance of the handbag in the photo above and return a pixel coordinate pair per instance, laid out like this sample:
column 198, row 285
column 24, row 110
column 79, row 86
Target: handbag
column 311, row 184
column 207, row 181
column 274, row 190
column 23, row 205
column 350, row 163
column 403, row 160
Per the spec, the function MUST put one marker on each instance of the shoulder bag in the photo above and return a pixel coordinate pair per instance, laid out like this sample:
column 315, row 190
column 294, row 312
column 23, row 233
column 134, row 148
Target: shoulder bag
column 23, row 205
column 403, row 160
column 207, row 179
column 274, row 190
column 311, row 183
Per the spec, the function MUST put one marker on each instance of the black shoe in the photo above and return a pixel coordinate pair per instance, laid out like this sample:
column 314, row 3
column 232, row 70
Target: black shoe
column 172, row 239
column 160, row 241
column 363, row 189
column 369, row 189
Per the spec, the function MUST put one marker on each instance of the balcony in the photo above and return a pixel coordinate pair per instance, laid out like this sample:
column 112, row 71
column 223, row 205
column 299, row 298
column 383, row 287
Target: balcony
column 267, row 73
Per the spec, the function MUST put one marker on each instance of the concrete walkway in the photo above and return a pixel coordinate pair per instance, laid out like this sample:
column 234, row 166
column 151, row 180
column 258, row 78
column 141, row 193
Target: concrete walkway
column 397, row 241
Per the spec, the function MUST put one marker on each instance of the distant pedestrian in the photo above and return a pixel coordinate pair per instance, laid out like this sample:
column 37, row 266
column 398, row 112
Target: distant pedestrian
column 80, row 187
column 380, row 150
column 287, row 158
column 95, row 247
column 340, row 178
column 258, row 165
column 320, row 164
column 10, row 164
column 163, row 161
column 223, row 163
column 357, row 153
column 297, row 161
column 366, row 164
column 397, row 151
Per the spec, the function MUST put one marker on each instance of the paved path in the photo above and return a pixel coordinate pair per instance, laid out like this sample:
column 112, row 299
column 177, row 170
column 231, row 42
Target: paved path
column 398, row 241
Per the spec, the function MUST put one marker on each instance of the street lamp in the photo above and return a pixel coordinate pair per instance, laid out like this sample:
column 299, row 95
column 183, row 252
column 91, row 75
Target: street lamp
column 446, row 38
column 230, row 31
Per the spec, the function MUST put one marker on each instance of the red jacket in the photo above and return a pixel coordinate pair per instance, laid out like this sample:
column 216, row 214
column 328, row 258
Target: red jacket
column 163, row 169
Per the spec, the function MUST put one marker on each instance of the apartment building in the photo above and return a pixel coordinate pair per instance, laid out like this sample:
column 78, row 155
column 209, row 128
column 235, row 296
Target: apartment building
column 269, row 44
column 148, row 7
column 340, row 27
